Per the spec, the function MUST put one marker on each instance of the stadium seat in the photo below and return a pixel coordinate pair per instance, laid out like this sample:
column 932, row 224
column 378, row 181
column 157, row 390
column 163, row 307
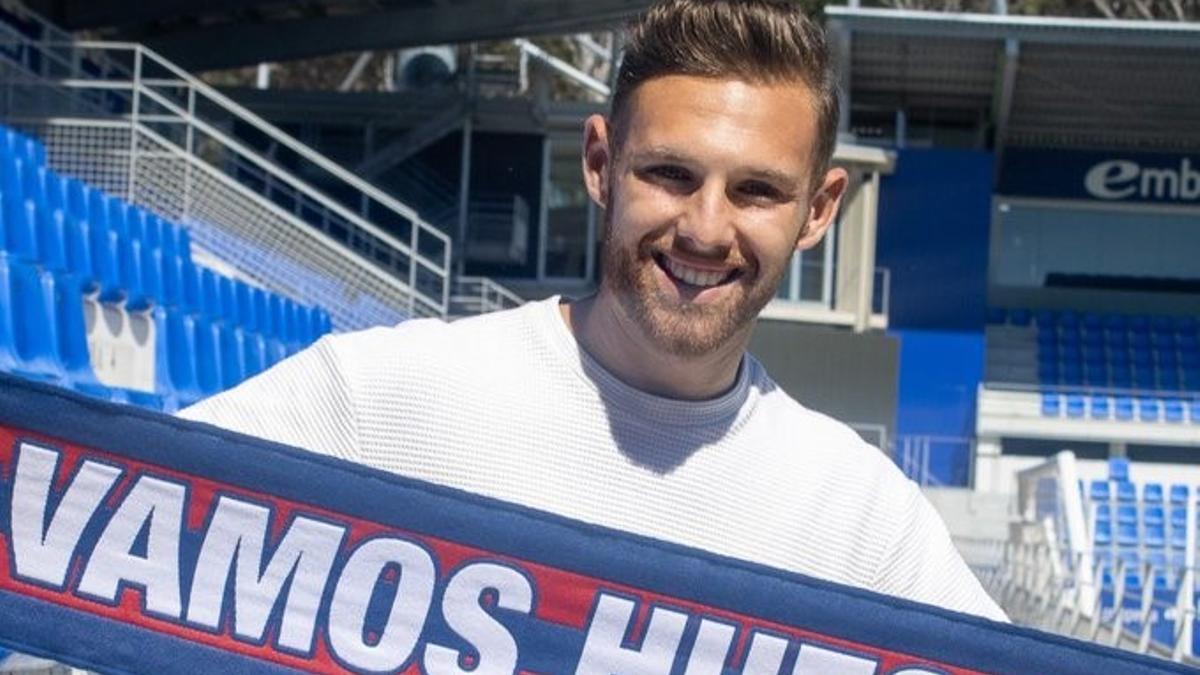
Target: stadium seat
column 1179, row 494
column 176, row 356
column 1051, row 404
column 209, row 379
column 1173, row 410
column 74, row 354
column 1149, row 409
column 1153, row 514
column 1154, row 535
column 997, row 316
column 1019, row 317
column 1075, row 405
column 1139, row 324
column 1126, row 492
column 29, row 340
column 1100, row 491
column 1123, row 408
column 1152, row 493
column 1194, row 410
column 1101, row 407
column 1168, row 380
column 1103, row 533
column 1178, row 535
column 105, row 246
column 1118, row 469
column 1127, row 532
column 1045, row 319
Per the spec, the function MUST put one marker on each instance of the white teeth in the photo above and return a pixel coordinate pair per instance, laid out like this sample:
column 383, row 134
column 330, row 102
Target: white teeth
column 693, row 276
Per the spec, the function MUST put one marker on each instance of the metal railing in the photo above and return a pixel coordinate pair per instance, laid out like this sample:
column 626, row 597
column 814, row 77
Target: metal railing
column 1050, row 574
column 917, row 455
column 139, row 127
column 480, row 295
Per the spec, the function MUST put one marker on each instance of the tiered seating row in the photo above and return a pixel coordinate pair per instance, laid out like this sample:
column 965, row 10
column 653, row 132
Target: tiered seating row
column 1150, row 527
column 62, row 241
column 1113, row 350
column 1112, row 366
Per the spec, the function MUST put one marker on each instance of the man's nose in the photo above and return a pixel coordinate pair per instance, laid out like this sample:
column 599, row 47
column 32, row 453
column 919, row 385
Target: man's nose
column 708, row 222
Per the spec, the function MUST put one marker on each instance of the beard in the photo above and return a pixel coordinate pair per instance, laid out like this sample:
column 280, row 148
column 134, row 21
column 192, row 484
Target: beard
column 678, row 326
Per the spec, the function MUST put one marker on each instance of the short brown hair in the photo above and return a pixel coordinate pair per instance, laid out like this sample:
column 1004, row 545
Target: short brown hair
column 759, row 41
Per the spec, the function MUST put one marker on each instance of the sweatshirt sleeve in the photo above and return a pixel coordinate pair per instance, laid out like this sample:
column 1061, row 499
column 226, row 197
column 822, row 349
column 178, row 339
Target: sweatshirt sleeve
column 922, row 564
column 302, row 401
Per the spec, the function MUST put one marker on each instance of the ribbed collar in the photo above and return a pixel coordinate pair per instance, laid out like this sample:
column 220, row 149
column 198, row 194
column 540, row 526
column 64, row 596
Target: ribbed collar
column 633, row 401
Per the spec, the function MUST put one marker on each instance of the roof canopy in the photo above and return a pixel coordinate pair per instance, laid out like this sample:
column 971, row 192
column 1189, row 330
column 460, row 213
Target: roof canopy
column 1027, row 81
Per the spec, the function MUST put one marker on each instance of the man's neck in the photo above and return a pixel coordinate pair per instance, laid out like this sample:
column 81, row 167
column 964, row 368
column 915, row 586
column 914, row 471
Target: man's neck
column 620, row 346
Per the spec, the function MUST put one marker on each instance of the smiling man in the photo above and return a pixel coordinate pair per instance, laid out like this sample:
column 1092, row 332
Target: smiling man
column 638, row 408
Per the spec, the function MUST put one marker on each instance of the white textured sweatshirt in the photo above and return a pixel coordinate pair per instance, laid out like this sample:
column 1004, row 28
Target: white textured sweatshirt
column 508, row 405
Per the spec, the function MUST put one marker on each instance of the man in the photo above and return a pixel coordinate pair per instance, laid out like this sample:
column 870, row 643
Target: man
column 638, row 408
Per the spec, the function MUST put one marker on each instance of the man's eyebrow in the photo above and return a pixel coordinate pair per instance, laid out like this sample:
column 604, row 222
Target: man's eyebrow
column 663, row 154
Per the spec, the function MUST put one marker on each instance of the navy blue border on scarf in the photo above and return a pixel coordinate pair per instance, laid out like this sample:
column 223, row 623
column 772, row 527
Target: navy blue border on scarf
column 203, row 451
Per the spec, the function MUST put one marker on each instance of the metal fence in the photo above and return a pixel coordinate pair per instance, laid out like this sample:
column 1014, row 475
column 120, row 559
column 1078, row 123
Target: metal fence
column 124, row 119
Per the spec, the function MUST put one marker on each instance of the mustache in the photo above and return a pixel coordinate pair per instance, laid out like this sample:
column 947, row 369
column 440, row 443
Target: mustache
column 664, row 243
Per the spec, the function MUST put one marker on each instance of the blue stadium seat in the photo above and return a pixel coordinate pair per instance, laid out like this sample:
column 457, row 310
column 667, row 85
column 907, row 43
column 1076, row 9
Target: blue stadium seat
column 106, row 250
column 1167, row 358
column 1154, row 535
column 1093, row 322
column 1072, row 374
column 1101, row 407
column 1123, row 408
column 1047, row 338
column 1139, row 324
column 1100, row 491
column 176, row 356
column 209, row 379
column 1143, row 378
column 1075, row 405
column 1149, row 409
column 1153, row 514
column 20, row 216
column 29, row 340
column 1178, row 535
column 1103, row 533
column 1191, row 379
column 1161, row 324
column 52, row 241
column 1173, row 410
column 1194, row 410
column 1045, row 318
column 997, row 316
column 1185, row 324
column 1127, row 533
column 74, row 354
column 1121, row 378
column 1118, row 469
column 1179, row 494
column 1069, row 320
column 1152, row 493
column 1169, row 380
column 1126, row 493
column 1051, row 404
column 1019, row 317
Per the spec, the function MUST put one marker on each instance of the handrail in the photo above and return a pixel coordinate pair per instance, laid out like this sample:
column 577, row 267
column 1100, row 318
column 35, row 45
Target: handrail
column 424, row 237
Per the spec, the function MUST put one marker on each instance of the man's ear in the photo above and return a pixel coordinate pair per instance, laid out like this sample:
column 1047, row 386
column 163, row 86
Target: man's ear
column 824, row 207
column 597, row 158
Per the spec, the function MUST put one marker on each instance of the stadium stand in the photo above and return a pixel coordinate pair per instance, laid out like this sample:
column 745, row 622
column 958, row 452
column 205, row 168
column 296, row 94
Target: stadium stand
column 71, row 251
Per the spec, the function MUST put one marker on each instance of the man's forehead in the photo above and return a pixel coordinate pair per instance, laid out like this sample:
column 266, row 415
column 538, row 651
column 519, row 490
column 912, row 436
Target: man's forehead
column 772, row 126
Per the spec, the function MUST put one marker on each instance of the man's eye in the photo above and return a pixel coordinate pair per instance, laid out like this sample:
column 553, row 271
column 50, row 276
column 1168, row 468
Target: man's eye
column 760, row 190
column 671, row 173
